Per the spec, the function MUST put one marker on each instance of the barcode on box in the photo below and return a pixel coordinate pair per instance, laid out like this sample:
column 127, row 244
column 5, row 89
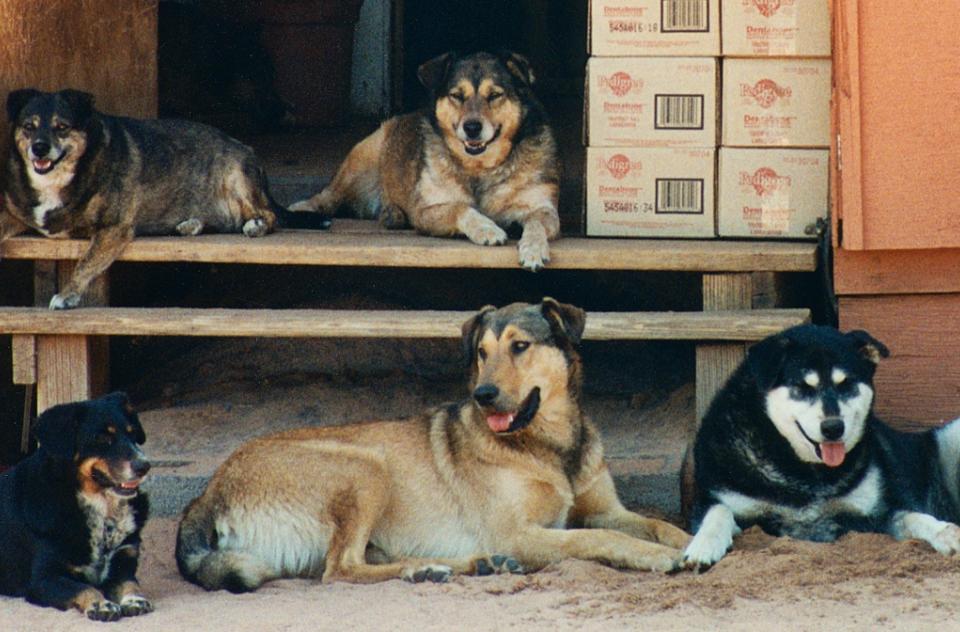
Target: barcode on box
column 684, row 16
column 679, row 195
column 678, row 111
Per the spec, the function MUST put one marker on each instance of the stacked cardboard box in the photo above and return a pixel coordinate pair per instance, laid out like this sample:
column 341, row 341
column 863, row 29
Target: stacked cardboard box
column 655, row 108
column 650, row 118
column 775, row 122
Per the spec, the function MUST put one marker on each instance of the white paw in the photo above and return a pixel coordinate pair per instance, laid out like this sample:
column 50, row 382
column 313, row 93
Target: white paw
column 486, row 233
column 303, row 205
column 134, row 605
column 947, row 540
column 190, row 227
column 706, row 549
column 65, row 301
column 534, row 253
column 255, row 228
column 436, row 573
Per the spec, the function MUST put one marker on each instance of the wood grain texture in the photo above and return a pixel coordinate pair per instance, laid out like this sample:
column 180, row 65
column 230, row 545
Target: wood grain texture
column 919, row 385
column 105, row 47
column 739, row 325
column 63, row 370
column 360, row 243
column 24, row 359
column 716, row 362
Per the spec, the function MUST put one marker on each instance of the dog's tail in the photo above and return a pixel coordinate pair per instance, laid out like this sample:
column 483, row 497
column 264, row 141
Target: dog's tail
column 287, row 218
column 202, row 562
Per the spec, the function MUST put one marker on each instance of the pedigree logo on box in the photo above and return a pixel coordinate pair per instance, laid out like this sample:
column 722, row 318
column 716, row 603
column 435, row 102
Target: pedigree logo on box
column 620, row 84
column 776, row 102
column 618, row 166
column 768, row 8
column 766, row 92
column 776, row 28
column 765, row 181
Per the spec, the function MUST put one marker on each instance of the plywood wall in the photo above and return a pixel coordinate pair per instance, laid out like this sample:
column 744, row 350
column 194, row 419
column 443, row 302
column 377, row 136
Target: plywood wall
column 919, row 385
column 107, row 47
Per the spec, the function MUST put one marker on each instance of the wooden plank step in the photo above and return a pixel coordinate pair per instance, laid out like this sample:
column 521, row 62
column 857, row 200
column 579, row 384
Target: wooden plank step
column 733, row 325
column 363, row 243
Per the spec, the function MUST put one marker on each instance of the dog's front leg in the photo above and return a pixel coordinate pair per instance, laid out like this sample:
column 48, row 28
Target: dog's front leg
column 942, row 536
column 597, row 506
column 459, row 218
column 535, row 547
column 105, row 247
column 64, row 593
column 122, row 586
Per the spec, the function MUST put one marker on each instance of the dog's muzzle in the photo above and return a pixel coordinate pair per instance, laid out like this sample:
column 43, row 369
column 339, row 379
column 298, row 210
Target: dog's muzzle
column 833, row 452
column 507, row 422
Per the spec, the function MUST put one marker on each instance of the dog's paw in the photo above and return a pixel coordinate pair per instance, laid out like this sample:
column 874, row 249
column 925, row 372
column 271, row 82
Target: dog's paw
column 534, row 254
column 947, row 540
column 104, row 611
column 436, row 573
column 255, row 228
column 135, row 605
column 304, row 205
column 704, row 552
column 190, row 227
column 481, row 229
column 498, row 565
column 65, row 301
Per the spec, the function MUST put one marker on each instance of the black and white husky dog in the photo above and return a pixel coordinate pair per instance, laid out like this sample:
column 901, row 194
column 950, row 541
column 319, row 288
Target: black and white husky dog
column 791, row 444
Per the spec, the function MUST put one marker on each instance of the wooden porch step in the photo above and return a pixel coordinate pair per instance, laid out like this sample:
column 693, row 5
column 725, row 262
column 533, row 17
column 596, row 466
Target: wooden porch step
column 364, row 243
column 731, row 325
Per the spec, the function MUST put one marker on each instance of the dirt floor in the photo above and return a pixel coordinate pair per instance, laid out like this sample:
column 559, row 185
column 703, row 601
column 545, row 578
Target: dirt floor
column 863, row 582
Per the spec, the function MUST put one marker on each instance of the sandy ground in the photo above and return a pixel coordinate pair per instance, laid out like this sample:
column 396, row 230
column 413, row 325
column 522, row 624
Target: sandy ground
column 863, row 582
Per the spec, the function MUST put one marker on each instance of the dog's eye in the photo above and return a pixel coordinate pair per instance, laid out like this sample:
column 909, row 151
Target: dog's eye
column 519, row 346
column 60, row 128
column 493, row 96
column 482, row 353
column 29, row 126
column 103, row 439
column 457, row 96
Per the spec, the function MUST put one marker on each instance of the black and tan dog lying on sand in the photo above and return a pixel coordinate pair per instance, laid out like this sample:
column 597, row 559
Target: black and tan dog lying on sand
column 71, row 513
column 480, row 158
column 75, row 172
column 489, row 484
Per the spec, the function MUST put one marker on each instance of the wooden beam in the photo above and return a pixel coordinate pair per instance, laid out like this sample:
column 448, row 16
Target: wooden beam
column 738, row 325
column 24, row 359
column 63, row 370
column 361, row 243
column 716, row 362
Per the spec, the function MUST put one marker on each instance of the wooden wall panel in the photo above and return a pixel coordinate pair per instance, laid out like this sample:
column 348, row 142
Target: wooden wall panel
column 105, row 47
column 919, row 385
column 900, row 140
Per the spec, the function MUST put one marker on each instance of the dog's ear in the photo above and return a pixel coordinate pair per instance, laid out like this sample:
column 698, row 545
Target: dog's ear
column 470, row 334
column 121, row 400
column 765, row 360
column 17, row 99
column 868, row 346
column 80, row 103
column 519, row 66
column 566, row 321
column 432, row 74
column 56, row 429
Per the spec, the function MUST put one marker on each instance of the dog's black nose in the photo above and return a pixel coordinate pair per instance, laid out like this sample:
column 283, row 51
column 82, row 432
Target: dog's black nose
column 472, row 128
column 40, row 148
column 140, row 468
column 485, row 394
column 832, row 428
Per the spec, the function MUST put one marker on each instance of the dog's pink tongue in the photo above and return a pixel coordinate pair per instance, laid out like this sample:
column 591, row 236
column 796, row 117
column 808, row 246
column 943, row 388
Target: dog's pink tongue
column 833, row 453
column 500, row 422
